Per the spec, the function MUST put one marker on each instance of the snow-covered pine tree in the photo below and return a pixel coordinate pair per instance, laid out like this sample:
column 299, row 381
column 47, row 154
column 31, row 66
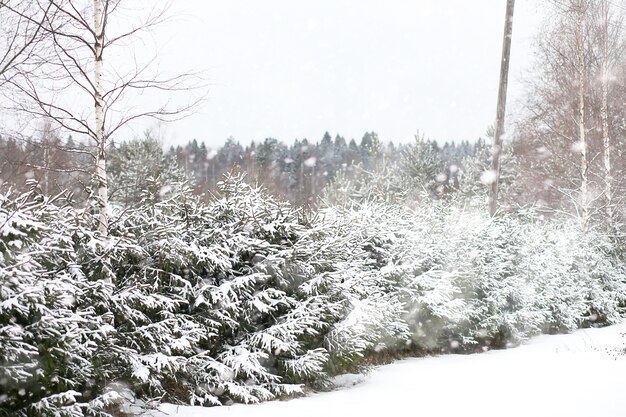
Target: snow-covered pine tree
column 55, row 338
column 139, row 169
column 476, row 175
column 422, row 166
column 214, row 298
column 577, row 279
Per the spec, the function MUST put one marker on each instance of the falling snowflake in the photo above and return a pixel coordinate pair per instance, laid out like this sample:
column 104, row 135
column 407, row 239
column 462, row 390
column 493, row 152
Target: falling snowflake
column 488, row 177
column 165, row 190
column 310, row 162
column 577, row 147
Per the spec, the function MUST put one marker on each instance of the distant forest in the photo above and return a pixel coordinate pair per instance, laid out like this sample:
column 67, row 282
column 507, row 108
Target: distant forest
column 298, row 172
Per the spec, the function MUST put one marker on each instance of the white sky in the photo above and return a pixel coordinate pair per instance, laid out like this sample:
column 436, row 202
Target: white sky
column 294, row 69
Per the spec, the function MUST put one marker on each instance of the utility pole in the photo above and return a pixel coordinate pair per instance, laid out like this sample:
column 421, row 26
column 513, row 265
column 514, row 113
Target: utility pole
column 497, row 137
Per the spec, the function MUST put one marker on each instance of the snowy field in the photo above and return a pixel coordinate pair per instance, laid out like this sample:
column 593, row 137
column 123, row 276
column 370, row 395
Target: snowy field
column 580, row 374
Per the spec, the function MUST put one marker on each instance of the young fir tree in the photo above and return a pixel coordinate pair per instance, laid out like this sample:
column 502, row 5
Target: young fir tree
column 56, row 352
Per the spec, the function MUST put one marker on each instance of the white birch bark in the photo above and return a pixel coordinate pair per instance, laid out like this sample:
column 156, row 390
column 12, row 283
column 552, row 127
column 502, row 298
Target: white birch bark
column 604, row 112
column 100, row 171
column 584, row 167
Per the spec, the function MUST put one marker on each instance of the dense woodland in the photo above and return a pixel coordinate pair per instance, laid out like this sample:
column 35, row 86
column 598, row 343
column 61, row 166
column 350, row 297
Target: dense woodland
column 298, row 172
column 130, row 273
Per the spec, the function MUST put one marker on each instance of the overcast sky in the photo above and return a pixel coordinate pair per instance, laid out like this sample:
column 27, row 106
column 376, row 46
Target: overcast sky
column 294, row 69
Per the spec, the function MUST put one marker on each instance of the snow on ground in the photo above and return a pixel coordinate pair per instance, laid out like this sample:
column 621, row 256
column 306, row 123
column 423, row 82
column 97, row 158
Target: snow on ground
column 580, row 374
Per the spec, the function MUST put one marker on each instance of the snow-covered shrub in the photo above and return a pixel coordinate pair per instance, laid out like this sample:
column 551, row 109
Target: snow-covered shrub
column 403, row 297
column 54, row 337
column 138, row 170
column 520, row 275
column 476, row 175
column 422, row 166
column 381, row 184
column 460, row 279
column 577, row 279
column 246, row 298
column 372, row 315
column 491, row 277
column 224, row 302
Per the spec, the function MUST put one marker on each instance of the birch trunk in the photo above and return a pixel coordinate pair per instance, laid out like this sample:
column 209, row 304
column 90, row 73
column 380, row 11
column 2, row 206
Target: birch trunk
column 584, row 168
column 604, row 112
column 46, row 165
column 100, row 172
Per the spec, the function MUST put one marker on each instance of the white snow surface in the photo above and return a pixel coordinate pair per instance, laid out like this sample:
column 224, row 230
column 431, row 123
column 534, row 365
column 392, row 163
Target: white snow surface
column 580, row 374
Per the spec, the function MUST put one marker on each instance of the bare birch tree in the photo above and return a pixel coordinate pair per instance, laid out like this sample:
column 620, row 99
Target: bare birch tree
column 608, row 27
column 83, row 90
column 573, row 133
column 579, row 8
column 604, row 19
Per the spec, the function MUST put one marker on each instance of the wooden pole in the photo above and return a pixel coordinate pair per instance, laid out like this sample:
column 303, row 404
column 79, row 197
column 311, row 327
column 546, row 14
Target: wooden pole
column 500, row 113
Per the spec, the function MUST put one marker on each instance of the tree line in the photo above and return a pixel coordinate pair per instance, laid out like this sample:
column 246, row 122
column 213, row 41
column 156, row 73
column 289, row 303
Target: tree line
column 298, row 172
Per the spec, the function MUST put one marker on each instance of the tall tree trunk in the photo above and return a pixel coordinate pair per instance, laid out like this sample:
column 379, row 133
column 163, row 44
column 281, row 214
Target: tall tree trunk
column 100, row 172
column 500, row 113
column 584, row 168
column 604, row 112
column 301, row 187
column 46, row 165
